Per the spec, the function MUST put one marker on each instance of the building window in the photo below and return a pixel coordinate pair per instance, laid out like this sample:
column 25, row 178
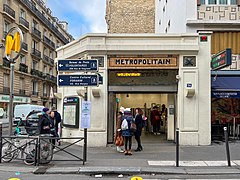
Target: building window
column 51, row 54
column 51, row 71
column 6, row 28
column 34, row 24
column 22, row 83
column 35, row 65
column 233, row 2
column 202, row 2
column 212, row 1
column 44, row 69
column 6, row 80
column 22, row 59
column 34, row 45
column 222, row 1
column 35, row 87
column 22, row 14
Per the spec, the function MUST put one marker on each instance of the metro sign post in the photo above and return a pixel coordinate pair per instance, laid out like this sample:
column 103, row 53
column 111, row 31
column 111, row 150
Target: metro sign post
column 13, row 48
column 84, row 80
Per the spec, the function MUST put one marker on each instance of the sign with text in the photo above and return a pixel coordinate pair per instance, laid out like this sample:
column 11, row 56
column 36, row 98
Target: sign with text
column 153, row 62
column 78, row 80
column 78, row 65
column 221, row 59
column 85, row 115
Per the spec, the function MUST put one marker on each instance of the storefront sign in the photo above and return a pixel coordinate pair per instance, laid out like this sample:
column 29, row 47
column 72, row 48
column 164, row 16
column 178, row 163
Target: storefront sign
column 222, row 94
column 221, row 59
column 162, row 62
column 130, row 74
column 17, row 99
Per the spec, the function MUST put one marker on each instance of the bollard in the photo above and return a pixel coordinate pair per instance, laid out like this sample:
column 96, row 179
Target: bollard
column 177, row 147
column 227, row 145
column 0, row 142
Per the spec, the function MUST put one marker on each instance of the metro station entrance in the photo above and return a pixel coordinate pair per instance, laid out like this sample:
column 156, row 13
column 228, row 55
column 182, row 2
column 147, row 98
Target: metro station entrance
column 144, row 89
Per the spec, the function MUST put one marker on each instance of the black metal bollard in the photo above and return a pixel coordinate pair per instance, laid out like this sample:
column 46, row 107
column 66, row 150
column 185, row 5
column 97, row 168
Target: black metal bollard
column 177, row 147
column 227, row 145
column 0, row 142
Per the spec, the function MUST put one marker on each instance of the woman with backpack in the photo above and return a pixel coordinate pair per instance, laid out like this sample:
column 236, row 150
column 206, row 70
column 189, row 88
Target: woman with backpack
column 139, row 126
column 127, row 119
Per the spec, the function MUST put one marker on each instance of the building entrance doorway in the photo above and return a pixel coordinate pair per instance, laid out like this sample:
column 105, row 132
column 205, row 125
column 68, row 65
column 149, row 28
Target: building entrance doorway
column 157, row 132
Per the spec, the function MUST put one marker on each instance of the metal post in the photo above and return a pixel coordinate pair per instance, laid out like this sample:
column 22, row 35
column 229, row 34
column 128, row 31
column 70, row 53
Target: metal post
column 0, row 142
column 227, row 145
column 85, row 131
column 38, row 150
column 11, row 97
column 177, row 147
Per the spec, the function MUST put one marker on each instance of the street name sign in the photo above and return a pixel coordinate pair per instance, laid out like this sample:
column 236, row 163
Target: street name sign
column 78, row 80
column 78, row 65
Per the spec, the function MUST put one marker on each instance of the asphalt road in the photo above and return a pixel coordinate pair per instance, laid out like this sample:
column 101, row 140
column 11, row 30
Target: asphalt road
column 8, row 175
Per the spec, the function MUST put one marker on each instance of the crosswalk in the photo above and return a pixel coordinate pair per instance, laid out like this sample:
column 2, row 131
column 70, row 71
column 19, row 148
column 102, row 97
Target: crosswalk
column 194, row 163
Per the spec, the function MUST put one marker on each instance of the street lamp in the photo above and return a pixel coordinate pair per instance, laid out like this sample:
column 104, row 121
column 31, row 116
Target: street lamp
column 13, row 48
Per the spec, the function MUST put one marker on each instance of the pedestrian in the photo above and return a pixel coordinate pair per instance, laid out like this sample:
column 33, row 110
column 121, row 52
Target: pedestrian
column 118, row 130
column 44, row 123
column 127, row 119
column 56, row 117
column 155, row 120
column 139, row 126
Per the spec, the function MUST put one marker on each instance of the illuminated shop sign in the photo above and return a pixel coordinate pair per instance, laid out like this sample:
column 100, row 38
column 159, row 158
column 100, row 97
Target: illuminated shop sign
column 128, row 74
column 163, row 62
column 221, row 59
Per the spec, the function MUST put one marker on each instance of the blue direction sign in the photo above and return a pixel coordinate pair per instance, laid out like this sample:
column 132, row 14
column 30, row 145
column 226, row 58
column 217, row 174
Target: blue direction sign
column 78, row 80
column 78, row 65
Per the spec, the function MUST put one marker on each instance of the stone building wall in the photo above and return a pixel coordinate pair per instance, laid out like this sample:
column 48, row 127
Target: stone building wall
column 130, row 16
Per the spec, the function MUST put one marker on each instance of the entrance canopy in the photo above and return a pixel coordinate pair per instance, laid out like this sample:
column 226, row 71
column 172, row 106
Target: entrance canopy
column 225, row 84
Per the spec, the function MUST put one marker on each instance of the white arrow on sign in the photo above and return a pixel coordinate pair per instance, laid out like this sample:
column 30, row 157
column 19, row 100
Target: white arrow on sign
column 60, row 65
column 60, row 80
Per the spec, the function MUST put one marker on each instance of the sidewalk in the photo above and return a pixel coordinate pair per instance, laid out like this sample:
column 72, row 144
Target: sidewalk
column 157, row 158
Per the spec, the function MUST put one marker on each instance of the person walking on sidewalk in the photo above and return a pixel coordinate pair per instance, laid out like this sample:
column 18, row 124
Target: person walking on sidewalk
column 139, row 126
column 118, row 130
column 155, row 120
column 127, row 119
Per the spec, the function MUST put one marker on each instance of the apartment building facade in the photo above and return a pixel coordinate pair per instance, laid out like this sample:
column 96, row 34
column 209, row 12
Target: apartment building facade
column 35, row 71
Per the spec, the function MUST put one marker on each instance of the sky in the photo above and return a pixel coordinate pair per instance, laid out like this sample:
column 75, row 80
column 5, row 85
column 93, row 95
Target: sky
column 83, row 16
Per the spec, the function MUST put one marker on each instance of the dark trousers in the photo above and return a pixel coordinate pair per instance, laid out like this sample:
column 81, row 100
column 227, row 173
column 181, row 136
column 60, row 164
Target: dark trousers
column 156, row 127
column 128, row 139
column 138, row 139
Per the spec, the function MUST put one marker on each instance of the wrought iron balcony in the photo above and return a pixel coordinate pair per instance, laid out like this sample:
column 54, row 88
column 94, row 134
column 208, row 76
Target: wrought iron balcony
column 44, row 20
column 6, row 90
column 51, row 61
column 36, row 33
column 49, row 42
column 8, row 10
column 25, row 46
column 53, row 79
column 36, row 53
column 45, row 95
column 46, row 76
column 35, row 93
column 45, row 58
column 24, row 22
column 21, row 92
column 6, row 63
column 23, row 68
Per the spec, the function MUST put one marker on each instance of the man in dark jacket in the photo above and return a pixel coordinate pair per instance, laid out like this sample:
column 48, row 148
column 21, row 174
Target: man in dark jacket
column 44, row 123
column 56, row 117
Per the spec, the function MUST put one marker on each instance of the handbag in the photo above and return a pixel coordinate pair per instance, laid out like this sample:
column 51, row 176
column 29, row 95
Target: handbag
column 133, row 127
column 119, row 141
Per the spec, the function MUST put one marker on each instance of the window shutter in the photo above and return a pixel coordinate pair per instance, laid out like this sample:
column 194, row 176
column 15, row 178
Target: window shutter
column 199, row 2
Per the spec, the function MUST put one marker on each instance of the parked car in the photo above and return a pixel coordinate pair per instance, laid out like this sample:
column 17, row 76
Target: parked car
column 3, row 114
column 21, row 112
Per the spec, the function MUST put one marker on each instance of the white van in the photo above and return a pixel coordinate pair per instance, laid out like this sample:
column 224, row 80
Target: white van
column 21, row 111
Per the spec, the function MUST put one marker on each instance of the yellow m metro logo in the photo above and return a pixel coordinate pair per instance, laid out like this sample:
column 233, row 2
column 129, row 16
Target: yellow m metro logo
column 12, row 43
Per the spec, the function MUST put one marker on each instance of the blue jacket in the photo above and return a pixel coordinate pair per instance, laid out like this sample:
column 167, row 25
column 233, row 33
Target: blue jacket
column 127, row 132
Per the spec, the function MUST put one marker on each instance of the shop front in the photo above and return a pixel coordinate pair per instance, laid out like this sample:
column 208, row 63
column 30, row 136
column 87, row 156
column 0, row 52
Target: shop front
column 144, row 70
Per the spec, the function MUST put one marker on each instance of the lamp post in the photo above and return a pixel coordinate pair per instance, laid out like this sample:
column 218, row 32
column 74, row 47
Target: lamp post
column 13, row 48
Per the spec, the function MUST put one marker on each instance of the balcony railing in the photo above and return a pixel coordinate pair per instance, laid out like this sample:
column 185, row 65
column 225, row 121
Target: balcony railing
column 44, row 20
column 36, row 53
column 53, row 79
column 37, row 73
column 45, row 58
column 25, row 46
column 46, row 76
column 21, row 92
column 48, row 42
column 51, row 61
column 23, row 68
column 6, row 63
column 6, row 90
column 7, row 9
column 36, row 32
column 35, row 93
column 24, row 22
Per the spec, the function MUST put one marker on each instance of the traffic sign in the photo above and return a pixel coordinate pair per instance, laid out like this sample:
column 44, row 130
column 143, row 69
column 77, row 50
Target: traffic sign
column 78, row 80
column 78, row 65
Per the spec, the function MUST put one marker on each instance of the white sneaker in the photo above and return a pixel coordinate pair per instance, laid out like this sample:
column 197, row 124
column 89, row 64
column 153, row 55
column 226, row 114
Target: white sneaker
column 119, row 149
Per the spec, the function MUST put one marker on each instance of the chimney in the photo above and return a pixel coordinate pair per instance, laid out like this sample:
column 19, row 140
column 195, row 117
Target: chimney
column 64, row 24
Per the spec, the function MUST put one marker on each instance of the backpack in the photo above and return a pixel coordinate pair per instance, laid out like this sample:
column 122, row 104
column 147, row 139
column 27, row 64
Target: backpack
column 124, row 125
